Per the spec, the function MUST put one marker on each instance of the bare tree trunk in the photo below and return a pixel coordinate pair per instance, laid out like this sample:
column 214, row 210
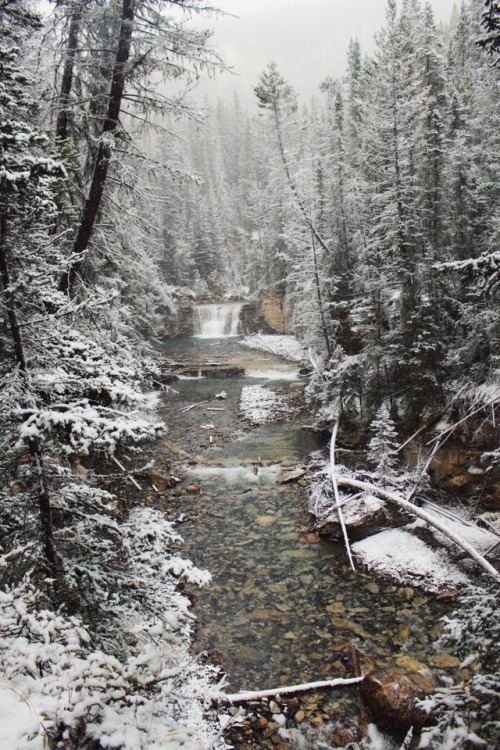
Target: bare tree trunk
column 320, row 299
column 68, row 72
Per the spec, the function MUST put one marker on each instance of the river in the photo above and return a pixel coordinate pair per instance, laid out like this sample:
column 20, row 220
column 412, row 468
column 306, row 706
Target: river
column 284, row 606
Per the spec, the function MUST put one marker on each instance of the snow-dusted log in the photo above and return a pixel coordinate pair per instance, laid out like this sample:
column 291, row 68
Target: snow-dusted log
column 255, row 695
column 416, row 511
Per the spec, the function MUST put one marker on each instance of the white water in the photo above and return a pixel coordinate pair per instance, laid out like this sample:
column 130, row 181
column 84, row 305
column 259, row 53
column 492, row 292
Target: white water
column 216, row 321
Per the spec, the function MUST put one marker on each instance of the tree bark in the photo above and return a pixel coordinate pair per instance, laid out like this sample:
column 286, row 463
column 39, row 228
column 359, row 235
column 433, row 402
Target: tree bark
column 103, row 157
column 68, row 73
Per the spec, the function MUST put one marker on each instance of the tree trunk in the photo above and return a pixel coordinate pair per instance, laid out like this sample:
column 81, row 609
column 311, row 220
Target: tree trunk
column 67, row 76
column 102, row 160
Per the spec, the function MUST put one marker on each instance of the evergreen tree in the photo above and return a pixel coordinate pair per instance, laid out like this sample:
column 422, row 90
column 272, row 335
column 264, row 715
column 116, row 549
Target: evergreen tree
column 383, row 445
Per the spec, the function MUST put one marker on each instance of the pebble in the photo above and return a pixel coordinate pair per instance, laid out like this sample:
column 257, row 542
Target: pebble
column 265, row 520
column 445, row 661
column 409, row 664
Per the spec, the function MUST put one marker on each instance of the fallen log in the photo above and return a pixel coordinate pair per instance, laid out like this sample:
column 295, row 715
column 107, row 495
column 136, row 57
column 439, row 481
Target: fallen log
column 255, row 695
column 416, row 511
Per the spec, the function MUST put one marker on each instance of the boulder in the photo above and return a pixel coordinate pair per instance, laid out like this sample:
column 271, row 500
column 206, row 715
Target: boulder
column 392, row 700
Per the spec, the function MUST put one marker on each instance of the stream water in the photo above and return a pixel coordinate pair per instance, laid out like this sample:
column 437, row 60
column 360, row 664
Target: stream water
column 283, row 606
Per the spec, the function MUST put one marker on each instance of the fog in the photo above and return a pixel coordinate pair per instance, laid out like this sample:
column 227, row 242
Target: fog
column 307, row 40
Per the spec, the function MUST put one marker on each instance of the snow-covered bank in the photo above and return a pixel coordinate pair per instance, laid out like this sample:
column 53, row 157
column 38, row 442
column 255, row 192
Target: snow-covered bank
column 259, row 405
column 400, row 555
column 284, row 346
column 151, row 696
column 426, row 552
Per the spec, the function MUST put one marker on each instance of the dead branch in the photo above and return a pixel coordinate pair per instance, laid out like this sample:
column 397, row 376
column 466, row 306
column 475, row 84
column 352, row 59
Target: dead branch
column 336, row 493
column 286, row 690
column 129, row 476
column 188, row 408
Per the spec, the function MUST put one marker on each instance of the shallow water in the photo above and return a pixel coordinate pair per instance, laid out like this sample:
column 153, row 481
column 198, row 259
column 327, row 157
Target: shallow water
column 283, row 606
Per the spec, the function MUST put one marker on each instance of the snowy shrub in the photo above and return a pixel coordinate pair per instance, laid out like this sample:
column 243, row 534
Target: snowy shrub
column 468, row 713
column 152, row 696
column 335, row 388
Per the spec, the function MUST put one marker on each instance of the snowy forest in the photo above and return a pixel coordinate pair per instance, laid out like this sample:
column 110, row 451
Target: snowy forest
column 369, row 212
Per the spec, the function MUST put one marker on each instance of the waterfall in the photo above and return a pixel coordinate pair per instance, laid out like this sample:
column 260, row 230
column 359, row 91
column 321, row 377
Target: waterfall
column 216, row 321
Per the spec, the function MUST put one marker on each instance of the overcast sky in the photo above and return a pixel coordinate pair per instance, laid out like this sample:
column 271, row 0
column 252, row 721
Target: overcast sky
column 307, row 39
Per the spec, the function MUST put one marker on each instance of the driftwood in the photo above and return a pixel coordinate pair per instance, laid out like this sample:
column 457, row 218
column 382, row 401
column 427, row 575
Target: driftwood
column 416, row 511
column 188, row 408
column 255, row 695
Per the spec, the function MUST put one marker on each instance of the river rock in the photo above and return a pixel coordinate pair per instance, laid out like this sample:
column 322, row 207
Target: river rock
column 409, row 664
column 445, row 661
column 392, row 701
column 162, row 480
column 291, row 475
column 362, row 519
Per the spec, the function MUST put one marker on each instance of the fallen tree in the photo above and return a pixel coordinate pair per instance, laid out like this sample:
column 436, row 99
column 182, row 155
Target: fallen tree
column 392, row 497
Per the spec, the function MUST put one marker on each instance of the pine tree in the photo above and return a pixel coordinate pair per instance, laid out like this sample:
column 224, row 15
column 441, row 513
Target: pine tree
column 383, row 445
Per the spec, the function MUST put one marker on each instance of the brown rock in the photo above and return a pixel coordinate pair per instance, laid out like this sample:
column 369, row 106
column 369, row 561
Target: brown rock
column 409, row 664
column 316, row 721
column 392, row 699
column 271, row 729
column 311, row 538
column 291, row 475
column 161, row 480
column 425, row 682
column 461, row 480
column 193, row 489
column 445, row 661
column 342, row 736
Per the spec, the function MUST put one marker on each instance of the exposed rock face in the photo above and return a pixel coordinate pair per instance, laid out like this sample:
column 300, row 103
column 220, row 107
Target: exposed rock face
column 273, row 309
column 392, row 701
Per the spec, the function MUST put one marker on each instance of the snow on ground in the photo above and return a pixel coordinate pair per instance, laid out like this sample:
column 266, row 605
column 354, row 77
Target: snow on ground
column 403, row 556
column 480, row 539
column 260, row 405
column 156, row 697
column 284, row 346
